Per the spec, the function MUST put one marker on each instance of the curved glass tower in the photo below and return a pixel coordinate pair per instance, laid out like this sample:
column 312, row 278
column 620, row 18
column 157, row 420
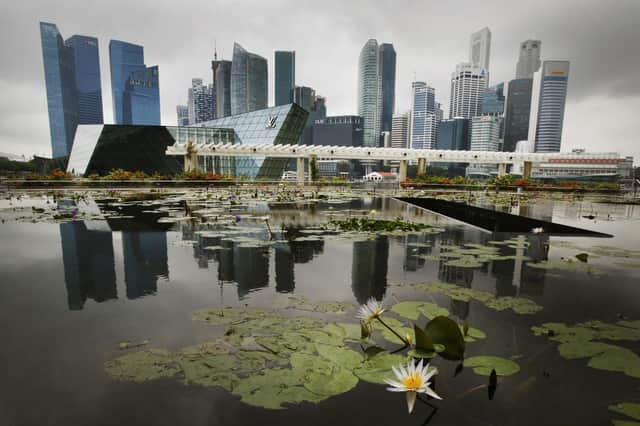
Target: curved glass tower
column 369, row 90
column 553, row 94
column 249, row 81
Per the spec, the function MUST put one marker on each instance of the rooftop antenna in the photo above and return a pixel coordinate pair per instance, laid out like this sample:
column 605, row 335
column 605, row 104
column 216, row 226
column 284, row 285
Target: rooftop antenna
column 215, row 50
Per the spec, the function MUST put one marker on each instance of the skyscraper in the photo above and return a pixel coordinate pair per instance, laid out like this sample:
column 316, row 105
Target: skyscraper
column 342, row 130
column 480, row 49
column 553, row 95
column 453, row 134
column 400, row 130
column 369, row 90
column 316, row 107
column 518, row 109
column 182, row 112
column 529, row 58
column 387, row 58
column 135, row 87
column 200, row 102
column 485, row 133
column 72, row 79
column 492, row 100
column 221, row 86
column 249, row 81
column 285, row 63
column 467, row 85
column 424, row 124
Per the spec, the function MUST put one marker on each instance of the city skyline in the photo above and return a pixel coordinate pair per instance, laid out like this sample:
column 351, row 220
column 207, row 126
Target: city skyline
column 334, row 74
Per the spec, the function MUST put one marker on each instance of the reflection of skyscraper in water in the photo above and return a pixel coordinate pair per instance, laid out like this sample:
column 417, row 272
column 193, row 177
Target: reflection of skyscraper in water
column 250, row 268
column 412, row 253
column 225, row 261
column 145, row 259
column 369, row 269
column 285, row 279
column 533, row 278
column 89, row 269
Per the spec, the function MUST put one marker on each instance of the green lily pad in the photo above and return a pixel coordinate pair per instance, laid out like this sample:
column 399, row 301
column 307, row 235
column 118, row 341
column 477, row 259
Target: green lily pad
column 378, row 367
column 482, row 365
column 629, row 409
column 143, row 365
column 445, row 331
column 412, row 310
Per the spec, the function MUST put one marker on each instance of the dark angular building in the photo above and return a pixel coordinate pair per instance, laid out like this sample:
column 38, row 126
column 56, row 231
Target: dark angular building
column 340, row 130
column 285, row 64
column 454, row 134
column 516, row 122
column 72, row 79
column 314, row 105
column 387, row 57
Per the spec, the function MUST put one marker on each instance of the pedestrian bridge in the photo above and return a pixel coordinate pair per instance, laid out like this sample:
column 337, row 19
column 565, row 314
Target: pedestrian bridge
column 191, row 152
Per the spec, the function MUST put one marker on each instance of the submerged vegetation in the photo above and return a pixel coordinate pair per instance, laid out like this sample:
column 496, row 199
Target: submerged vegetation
column 365, row 224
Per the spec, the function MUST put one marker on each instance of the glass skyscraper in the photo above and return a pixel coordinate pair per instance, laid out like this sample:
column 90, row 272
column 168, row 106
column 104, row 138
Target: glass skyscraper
column 135, row 87
column 424, row 124
column 388, row 77
column 453, row 134
column 492, row 100
column 249, row 81
column 516, row 122
column 553, row 95
column 467, row 85
column 72, row 79
column 285, row 63
column 222, row 86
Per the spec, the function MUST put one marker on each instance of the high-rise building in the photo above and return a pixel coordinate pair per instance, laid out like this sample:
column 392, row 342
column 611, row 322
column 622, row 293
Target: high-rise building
column 553, row 95
column 314, row 105
column 135, row 87
column 424, row 124
column 453, row 134
column 400, row 130
column 492, row 100
column 182, row 112
column 369, row 91
column 467, row 85
column 285, row 69
column 249, row 81
column 341, row 130
column 529, row 58
column 387, row 58
column 72, row 79
column 201, row 102
column 518, row 110
column 480, row 49
column 485, row 133
column 221, row 86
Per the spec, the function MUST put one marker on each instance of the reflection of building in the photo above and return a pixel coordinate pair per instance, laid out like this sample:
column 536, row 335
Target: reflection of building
column 250, row 269
column 145, row 259
column 369, row 269
column 88, row 259
column 285, row 278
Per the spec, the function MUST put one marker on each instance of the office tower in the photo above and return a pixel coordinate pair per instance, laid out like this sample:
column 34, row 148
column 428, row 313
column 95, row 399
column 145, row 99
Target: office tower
column 485, row 133
column 285, row 64
column 314, row 105
column 182, row 112
column 387, row 59
column 424, row 124
column 342, row 130
column 518, row 110
column 467, row 85
column 400, row 130
column 249, row 81
column 221, row 86
column 369, row 89
column 553, row 95
column 453, row 134
column 492, row 100
column 72, row 79
column 200, row 102
column 135, row 87
column 529, row 59
column 480, row 49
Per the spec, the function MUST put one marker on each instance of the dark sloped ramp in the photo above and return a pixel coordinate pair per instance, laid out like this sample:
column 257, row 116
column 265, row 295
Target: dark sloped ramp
column 495, row 221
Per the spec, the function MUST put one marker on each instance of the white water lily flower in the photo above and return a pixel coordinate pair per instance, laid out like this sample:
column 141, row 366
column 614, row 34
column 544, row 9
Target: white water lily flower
column 370, row 310
column 537, row 230
column 413, row 380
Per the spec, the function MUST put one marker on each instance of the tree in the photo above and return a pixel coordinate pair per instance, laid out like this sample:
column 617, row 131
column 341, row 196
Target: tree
column 313, row 169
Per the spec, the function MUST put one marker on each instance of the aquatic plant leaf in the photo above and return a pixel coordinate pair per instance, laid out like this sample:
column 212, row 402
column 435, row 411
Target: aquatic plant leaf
column 484, row 365
column 143, row 365
column 420, row 353
column 629, row 409
column 582, row 257
column 444, row 331
column 341, row 356
column 336, row 381
column 378, row 367
column 617, row 359
column 624, row 423
column 423, row 341
column 412, row 310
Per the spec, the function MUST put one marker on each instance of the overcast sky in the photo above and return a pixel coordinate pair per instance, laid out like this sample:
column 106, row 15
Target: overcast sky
column 601, row 39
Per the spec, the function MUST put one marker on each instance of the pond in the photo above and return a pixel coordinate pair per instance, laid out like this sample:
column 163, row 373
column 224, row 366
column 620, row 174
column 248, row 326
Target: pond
column 234, row 307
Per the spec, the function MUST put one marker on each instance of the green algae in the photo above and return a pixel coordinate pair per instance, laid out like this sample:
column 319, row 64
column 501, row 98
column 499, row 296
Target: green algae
column 483, row 365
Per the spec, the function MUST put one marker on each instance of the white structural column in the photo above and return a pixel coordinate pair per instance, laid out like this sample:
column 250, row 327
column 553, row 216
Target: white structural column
column 402, row 175
column 300, row 171
column 502, row 169
column 422, row 166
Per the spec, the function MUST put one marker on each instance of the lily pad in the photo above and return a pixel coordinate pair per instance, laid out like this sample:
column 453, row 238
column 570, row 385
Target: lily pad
column 378, row 367
column 446, row 332
column 412, row 310
column 143, row 365
column 630, row 409
column 483, row 365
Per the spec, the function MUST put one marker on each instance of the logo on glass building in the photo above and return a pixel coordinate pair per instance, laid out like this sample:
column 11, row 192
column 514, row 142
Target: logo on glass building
column 271, row 122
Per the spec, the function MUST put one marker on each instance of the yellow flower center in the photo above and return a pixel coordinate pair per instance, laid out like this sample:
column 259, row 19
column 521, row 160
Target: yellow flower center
column 412, row 382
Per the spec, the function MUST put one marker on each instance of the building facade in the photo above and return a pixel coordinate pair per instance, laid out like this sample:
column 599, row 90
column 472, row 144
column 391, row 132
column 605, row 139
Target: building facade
column 387, row 59
column 182, row 113
column 72, row 80
column 316, row 107
column 492, row 100
column 485, row 133
column 453, row 134
column 480, row 49
column 401, row 130
column 341, row 130
column 553, row 95
column 201, row 102
column 249, row 81
column 424, row 124
column 369, row 91
column 528, row 59
column 467, row 85
column 135, row 87
column 518, row 111
column 221, row 86
column 285, row 79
